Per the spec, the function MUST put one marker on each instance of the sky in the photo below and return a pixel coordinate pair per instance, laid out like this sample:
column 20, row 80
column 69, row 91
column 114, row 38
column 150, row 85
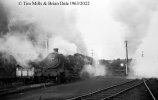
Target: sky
column 101, row 32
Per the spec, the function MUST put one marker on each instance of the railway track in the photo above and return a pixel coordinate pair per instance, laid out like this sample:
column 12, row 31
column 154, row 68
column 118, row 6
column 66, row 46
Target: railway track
column 150, row 90
column 114, row 91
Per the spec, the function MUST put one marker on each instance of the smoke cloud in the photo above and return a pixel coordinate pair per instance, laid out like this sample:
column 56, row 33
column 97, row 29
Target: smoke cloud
column 135, row 16
column 24, row 30
column 19, row 47
column 3, row 21
column 64, row 46
column 93, row 70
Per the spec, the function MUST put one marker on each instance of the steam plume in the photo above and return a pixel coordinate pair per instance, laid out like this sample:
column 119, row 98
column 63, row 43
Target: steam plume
column 93, row 70
column 24, row 30
column 135, row 16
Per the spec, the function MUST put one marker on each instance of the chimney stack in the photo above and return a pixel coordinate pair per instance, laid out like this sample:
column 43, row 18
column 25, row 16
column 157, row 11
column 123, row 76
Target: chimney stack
column 56, row 50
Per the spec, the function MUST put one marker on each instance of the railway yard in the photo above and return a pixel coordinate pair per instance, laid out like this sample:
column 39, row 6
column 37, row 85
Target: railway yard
column 59, row 77
column 93, row 50
column 98, row 88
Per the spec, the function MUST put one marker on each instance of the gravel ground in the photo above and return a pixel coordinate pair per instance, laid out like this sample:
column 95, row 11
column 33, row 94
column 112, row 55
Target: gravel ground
column 65, row 91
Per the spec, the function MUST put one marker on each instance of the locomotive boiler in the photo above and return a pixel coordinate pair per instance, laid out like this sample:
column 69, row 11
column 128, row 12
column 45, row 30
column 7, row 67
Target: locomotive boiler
column 52, row 67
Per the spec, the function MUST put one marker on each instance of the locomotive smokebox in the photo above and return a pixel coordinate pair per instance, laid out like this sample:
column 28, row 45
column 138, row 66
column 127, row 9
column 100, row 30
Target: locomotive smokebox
column 56, row 50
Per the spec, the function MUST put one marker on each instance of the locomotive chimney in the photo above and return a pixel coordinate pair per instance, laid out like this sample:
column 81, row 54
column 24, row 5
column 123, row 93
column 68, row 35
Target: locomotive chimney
column 56, row 50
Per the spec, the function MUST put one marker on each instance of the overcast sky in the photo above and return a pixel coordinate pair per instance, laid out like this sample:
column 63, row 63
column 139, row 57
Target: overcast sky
column 101, row 32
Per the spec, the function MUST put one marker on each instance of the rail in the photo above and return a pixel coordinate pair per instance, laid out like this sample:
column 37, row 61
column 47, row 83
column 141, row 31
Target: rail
column 149, row 90
column 101, row 90
column 123, row 91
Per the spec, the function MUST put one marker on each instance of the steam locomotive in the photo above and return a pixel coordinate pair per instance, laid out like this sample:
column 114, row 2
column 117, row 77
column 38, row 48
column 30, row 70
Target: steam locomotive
column 55, row 67
column 60, row 68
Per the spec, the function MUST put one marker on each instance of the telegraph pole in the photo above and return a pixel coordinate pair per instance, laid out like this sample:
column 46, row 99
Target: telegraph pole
column 126, row 42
